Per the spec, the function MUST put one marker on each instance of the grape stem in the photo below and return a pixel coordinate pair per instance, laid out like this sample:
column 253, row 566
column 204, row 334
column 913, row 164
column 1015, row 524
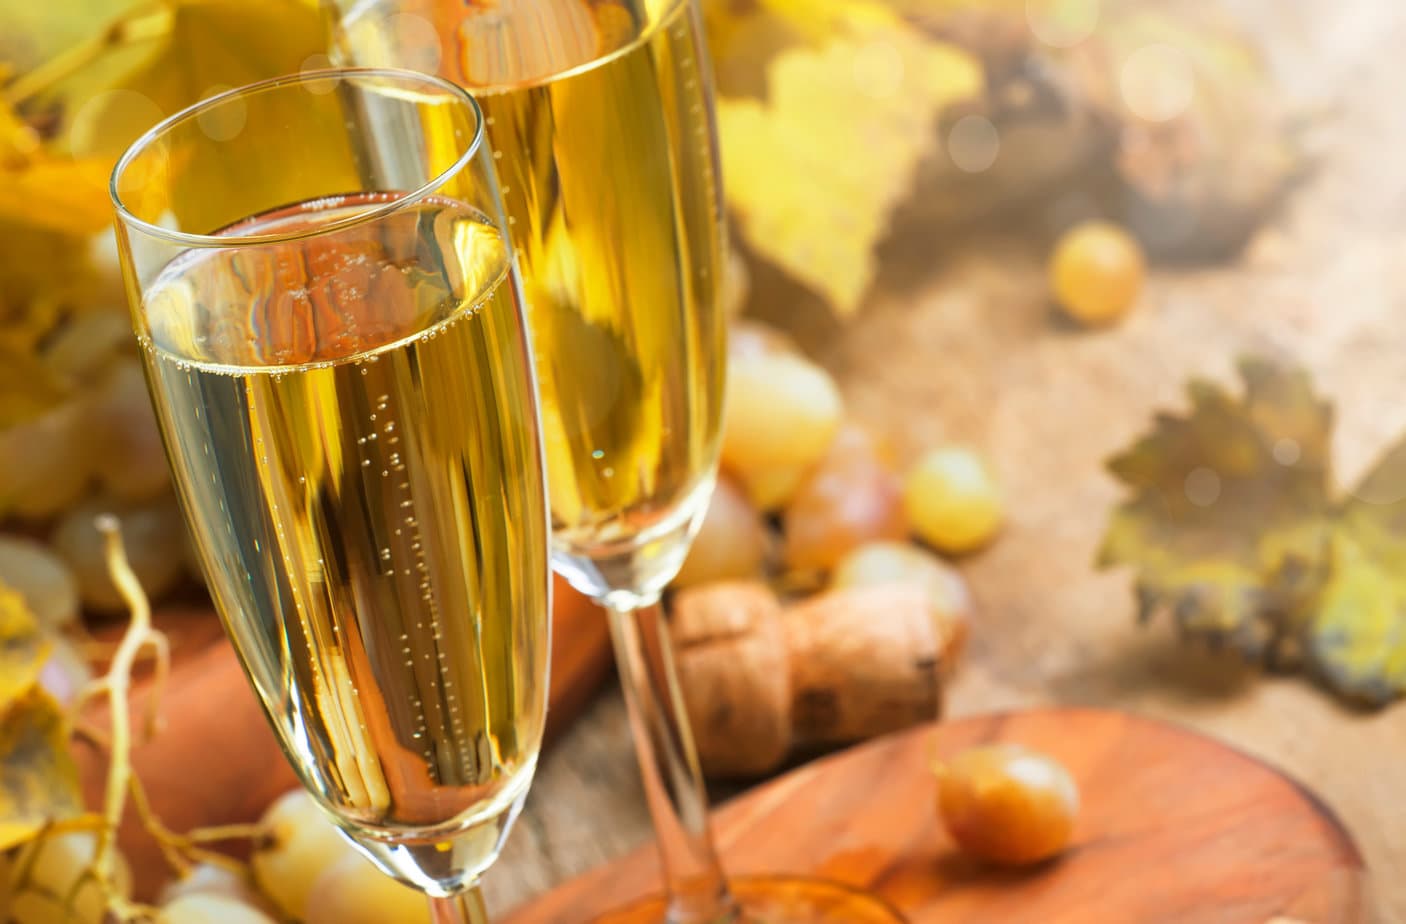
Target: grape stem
column 116, row 685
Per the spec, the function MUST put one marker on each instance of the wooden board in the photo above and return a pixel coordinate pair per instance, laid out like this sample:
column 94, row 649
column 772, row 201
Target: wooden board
column 215, row 760
column 1176, row 828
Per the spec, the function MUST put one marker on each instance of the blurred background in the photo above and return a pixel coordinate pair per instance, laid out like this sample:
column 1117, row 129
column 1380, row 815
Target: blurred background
column 1095, row 307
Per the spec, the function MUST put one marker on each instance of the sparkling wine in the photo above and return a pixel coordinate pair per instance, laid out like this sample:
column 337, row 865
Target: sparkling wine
column 352, row 424
column 598, row 115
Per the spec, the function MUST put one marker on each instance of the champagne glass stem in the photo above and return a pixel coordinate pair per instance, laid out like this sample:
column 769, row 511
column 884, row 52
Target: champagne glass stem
column 673, row 783
column 464, row 908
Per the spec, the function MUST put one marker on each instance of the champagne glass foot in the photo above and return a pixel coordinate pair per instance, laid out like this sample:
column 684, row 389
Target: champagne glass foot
column 778, row 900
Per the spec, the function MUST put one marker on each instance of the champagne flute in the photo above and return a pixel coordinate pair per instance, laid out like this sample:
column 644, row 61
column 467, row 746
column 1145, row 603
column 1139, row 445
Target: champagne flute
column 331, row 324
column 600, row 117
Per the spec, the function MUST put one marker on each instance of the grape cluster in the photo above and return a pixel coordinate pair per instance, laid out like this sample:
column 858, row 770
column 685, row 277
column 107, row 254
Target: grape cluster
column 302, row 870
column 96, row 450
column 311, row 873
column 809, row 491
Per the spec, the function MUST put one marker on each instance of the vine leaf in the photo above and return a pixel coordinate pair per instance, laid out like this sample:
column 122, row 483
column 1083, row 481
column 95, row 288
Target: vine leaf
column 23, row 649
column 802, row 201
column 1233, row 530
column 38, row 777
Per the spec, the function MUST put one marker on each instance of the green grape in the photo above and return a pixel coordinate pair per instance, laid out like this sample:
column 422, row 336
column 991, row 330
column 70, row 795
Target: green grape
column 1007, row 804
column 952, row 500
column 206, row 879
column 131, row 457
column 782, row 413
column 45, row 463
column 1096, row 272
column 51, row 867
column 300, row 844
column 207, row 908
column 352, row 891
column 42, row 578
column 153, row 534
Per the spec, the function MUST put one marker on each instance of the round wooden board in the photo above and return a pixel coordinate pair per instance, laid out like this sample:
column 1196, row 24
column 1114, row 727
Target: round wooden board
column 215, row 761
column 1175, row 828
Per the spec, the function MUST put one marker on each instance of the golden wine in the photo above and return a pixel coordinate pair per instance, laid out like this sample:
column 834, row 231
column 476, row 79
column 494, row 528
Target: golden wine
column 599, row 118
column 352, row 424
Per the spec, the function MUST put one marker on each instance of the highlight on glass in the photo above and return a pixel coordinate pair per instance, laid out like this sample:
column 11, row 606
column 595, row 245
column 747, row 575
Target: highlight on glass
column 334, row 338
column 601, row 121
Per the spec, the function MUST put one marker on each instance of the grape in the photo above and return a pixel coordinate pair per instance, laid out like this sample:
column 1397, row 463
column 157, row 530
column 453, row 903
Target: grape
column 1007, row 804
column 1096, row 272
column 203, row 908
column 54, row 865
column 352, row 891
column 852, row 497
column 211, row 879
column 42, row 578
column 952, row 501
column 153, row 534
column 45, row 464
column 878, row 563
column 732, row 542
column 770, row 489
column 782, row 413
column 747, row 339
column 300, row 844
column 82, row 347
column 65, row 673
column 132, row 460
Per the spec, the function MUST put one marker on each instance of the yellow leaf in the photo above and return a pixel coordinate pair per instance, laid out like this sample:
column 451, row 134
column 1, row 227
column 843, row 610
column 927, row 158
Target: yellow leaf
column 38, row 777
column 814, row 171
column 68, row 196
column 212, row 45
column 23, row 649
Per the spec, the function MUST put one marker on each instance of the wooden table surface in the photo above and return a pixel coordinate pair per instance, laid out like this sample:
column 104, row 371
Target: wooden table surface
column 957, row 343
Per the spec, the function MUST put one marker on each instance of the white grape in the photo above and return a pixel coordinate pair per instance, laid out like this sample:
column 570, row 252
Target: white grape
column 213, row 879
column 207, row 908
column 42, row 578
column 300, row 843
column 45, row 464
column 152, row 534
column 132, row 460
column 51, row 867
column 353, row 891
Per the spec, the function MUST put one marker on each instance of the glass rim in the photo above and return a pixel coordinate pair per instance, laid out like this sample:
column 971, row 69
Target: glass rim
column 369, row 213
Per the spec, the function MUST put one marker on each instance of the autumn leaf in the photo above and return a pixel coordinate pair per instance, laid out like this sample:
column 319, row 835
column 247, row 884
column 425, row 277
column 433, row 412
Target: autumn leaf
column 815, row 169
column 23, row 649
column 1358, row 640
column 1233, row 530
column 38, row 777
column 1224, row 496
